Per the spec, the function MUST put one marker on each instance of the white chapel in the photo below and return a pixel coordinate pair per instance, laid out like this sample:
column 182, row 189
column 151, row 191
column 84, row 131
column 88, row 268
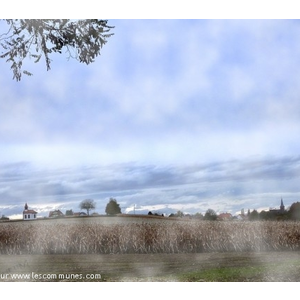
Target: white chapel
column 29, row 214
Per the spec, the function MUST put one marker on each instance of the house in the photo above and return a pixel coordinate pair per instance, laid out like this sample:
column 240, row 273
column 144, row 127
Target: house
column 79, row 214
column 29, row 214
column 242, row 216
column 3, row 218
column 224, row 216
column 94, row 214
column 55, row 214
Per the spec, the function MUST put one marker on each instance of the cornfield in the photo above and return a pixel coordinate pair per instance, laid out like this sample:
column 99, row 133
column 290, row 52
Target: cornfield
column 40, row 237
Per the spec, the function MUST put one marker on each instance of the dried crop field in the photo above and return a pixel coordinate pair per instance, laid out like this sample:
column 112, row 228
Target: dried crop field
column 133, row 235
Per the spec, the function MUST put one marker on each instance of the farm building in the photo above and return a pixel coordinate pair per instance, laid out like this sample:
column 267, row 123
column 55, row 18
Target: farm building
column 55, row 214
column 29, row 214
column 224, row 216
column 79, row 214
column 3, row 218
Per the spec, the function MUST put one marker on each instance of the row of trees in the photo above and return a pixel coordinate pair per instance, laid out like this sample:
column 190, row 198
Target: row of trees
column 293, row 213
column 210, row 215
column 112, row 207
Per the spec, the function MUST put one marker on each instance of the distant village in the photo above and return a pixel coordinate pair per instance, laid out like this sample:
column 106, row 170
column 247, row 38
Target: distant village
column 29, row 214
column 272, row 214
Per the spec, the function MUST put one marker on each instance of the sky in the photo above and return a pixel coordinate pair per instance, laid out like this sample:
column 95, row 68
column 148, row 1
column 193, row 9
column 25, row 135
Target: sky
column 175, row 114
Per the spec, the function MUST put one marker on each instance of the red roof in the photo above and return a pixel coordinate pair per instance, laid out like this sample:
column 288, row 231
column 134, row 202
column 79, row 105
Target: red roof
column 29, row 211
column 225, row 216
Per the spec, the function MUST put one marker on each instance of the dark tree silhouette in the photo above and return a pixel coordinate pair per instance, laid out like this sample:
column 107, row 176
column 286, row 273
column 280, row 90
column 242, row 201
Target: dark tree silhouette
column 294, row 211
column 37, row 38
column 87, row 204
column 254, row 215
column 210, row 215
column 69, row 212
column 179, row 214
column 112, row 207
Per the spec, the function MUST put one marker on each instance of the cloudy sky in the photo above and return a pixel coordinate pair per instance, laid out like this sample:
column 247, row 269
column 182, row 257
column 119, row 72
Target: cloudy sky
column 176, row 114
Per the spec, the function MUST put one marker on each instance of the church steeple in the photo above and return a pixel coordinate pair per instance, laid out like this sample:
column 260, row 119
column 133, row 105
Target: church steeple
column 281, row 206
column 28, row 214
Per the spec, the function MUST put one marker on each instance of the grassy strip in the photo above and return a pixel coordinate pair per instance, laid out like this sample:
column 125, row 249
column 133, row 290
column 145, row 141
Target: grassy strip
column 272, row 272
column 225, row 274
column 224, row 267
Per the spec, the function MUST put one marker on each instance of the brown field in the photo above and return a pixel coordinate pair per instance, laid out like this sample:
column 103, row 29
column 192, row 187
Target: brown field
column 149, row 249
column 145, row 235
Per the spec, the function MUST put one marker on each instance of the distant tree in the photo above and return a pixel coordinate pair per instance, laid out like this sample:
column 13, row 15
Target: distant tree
column 36, row 38
column 179, row 214
column 112, row 207
column 254, row 215
column 210, row 215
column 265, row 215
column 69, row 212
column 150, row 213
column 294, row 211
column 199, row 216
column 88, row 204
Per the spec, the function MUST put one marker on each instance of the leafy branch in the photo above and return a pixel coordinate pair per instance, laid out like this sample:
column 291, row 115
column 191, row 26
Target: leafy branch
column 37, row 38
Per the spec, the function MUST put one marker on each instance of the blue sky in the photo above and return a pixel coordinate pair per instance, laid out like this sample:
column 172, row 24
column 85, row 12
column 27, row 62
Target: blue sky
column 176, row 114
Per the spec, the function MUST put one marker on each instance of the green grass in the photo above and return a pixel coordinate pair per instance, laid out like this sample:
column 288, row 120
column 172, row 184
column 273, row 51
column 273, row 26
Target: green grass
column 268, row 272
column 224, row 274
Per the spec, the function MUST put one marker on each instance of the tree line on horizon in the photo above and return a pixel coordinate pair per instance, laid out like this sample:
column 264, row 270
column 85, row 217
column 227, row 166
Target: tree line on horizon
column 113, row 208
column 292, row 213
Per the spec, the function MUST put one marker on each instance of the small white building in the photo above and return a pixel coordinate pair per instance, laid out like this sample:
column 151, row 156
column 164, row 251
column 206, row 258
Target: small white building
column 29, row 214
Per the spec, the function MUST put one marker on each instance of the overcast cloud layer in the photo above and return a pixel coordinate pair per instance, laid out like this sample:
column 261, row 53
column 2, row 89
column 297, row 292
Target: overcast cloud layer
column 174, row 115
